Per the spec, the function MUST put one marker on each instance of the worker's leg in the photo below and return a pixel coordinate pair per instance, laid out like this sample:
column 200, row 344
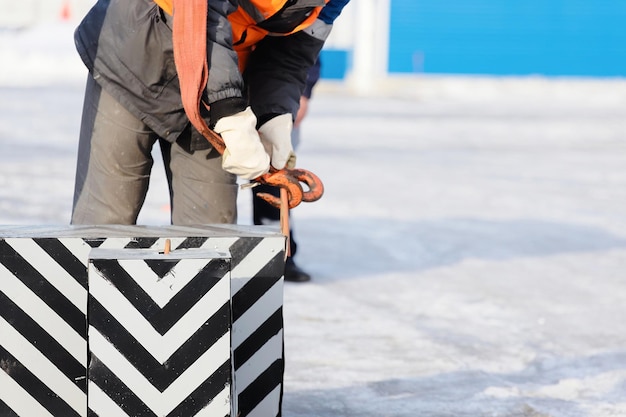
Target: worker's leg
column 202, row 192
column 114, row 162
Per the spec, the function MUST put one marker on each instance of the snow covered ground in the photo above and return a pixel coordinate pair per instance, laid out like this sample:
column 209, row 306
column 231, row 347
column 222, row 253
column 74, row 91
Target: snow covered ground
column 469, row 254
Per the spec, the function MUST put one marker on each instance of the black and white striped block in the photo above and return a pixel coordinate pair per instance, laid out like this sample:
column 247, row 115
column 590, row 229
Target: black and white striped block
column 159, row 333
column 44, row 295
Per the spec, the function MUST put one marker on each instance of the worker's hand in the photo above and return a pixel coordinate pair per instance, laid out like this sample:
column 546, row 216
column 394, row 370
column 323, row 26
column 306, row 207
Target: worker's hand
column 276, row 137
column 245, row 155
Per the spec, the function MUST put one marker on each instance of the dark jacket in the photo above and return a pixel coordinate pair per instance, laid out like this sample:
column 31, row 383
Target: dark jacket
column 127, row 47
column 312, row 78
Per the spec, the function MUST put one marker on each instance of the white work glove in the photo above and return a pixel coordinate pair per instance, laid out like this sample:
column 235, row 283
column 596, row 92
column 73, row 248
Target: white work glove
column 245, row 155
column 276, row 137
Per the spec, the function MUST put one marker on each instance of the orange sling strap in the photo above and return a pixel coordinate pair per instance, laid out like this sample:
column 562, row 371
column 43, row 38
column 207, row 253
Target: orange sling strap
column 189, row 41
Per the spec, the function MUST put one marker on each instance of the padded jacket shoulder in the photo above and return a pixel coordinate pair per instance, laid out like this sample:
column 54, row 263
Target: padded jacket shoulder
column 127, row 47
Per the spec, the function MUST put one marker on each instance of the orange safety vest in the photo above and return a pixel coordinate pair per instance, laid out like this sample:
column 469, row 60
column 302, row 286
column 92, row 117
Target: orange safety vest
column 246, row 33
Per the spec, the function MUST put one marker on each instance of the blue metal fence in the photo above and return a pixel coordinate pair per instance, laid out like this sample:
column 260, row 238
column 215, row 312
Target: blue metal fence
column 508, row 37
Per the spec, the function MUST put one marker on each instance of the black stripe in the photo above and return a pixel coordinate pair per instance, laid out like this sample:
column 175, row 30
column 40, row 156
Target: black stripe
column 242, row 247
column 255, row 288
column 31, row 384
column 162, row 267
column 42, row 341
column 94, row 242
column 134, row 243
column 161, row 376
column 141, row 243
column 38, row 284
column 275, row 267
column 128, row 401
column 192, row 243
column 162, row 319
column 205, row 393
column 5, row 410
column 271, row 327
column 65, row 258
column 115, row 389
column 261, row 388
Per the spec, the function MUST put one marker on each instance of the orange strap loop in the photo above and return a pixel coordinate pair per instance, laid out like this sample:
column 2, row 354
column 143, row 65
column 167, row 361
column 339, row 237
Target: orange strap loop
column 189, row 39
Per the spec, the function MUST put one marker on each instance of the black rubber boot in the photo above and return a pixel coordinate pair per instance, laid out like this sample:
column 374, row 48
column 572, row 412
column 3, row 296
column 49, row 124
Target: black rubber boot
column 293, row 273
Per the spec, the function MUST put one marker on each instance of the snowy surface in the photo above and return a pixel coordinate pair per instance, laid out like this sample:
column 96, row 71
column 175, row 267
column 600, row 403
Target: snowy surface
column 469, row 255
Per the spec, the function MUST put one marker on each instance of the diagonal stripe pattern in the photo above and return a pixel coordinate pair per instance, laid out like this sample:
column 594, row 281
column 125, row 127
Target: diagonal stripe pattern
column 142, row 325
column 43, row 343
column 44, row 295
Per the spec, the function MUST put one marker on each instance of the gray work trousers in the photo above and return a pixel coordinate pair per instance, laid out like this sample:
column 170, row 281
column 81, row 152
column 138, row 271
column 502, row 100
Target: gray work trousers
column 114, row 164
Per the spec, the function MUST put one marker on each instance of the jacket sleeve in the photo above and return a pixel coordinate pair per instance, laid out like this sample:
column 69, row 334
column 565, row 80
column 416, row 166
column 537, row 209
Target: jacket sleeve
column 224, row 89
column 332, row 10
column 277, row 69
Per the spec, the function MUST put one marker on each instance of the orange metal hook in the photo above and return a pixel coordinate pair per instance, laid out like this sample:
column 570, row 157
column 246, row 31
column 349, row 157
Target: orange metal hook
column 281, row 179
column 289, row 180
column 312, row 181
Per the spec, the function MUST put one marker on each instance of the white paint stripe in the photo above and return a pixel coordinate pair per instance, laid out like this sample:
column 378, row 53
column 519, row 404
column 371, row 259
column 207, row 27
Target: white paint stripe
column 52, row 271
column 21, row 295
column 260, row 361
column 181, row 388
column 252, row 319
column 252, row 263
column 161, row 347
column 115, row 243
column 219, row 406
column 101, row 404
column 161, row 290
column 219, row 244
column 38, row 364
column 19, row 400
column 269, row 405
column 78, row 247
